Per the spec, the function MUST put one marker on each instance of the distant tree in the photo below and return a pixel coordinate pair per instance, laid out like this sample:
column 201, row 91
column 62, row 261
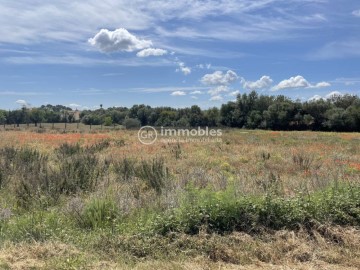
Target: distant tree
column 196, row 117
column 335, row 119
column 108, row 121
column 17, row 117
column 254, row 120
column 227, row 112
column 212, row 117
column 2, row 117
column 131, row 123
column 37, row 116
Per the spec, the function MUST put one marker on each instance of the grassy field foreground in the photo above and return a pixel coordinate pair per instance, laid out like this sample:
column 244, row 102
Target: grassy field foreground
column 255, row 200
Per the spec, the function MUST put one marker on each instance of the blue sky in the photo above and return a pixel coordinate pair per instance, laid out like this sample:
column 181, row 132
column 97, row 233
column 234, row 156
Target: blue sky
column 175, row 53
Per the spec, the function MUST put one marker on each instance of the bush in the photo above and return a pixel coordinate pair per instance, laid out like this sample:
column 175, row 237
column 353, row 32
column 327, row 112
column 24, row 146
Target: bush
column 154, row 173
column 220, row 212
column 98, row 213
column 125, row 169
column 67, row 149
column 78, row 173
column 98, row 147
column 131, row 123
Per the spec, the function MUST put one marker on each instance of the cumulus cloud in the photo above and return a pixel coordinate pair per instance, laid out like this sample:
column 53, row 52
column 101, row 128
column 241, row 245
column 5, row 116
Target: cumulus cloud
column 333, row 93
column 263, row 83
column 321, row 84
column 217, row 90
column 22, row 102
column 194, row 97
column 329, row 95
column 178, row 93
column 356, row 13
column 219, row 78
column 151, row 52
column 298, row 82
column 183, row 68
column 315, row 98
column 216, row 98
column 119, row 40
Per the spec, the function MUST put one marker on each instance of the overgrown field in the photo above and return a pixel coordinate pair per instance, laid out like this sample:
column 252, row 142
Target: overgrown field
column 256, row 200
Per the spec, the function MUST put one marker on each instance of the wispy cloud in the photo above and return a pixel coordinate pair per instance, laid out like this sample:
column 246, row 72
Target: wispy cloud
column 216, row 98
column 168, row 89
column 356, row 13
column 337, row 50
column 23, row 93
column 84, row 61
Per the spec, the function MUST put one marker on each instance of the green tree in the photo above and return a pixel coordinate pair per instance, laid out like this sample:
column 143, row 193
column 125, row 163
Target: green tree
column 108, row 121
column 131, row 123
column 37, row 116
column 2, row 117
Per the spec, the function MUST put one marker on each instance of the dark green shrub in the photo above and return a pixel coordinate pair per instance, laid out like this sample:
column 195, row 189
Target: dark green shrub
column 131, row 123
column 78, row 173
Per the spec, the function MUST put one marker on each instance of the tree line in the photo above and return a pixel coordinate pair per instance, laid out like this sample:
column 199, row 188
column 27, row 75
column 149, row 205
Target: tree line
column 253, row 111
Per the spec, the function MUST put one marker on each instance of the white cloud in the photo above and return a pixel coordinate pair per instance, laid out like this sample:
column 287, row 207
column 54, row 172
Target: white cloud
column 22, row 103
column 356, row 13
column 26, row 21
column 216, row 98
column 263, row 83
column 119, row 40
column 194, row 97
column 321, row 84
column 204, row 66
column 347, row 81
column 293, row 82
column 151, row 52
column 217, row 90
column 298, row 82
column 219, row 78
column 197, row 92
column 178, row 93
column 337, row 50
column 234, row 93
column 183, row 68
column 333, row 93
column 315, row 98
column 74, row 105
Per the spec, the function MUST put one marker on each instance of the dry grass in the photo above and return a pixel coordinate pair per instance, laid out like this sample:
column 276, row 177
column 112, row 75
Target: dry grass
column 251, row 161
column 327, row 248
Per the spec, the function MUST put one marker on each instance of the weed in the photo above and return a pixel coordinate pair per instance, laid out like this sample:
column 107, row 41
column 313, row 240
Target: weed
column 98, row 213
column 303, row 161
column 154, row 173
column 125, row 168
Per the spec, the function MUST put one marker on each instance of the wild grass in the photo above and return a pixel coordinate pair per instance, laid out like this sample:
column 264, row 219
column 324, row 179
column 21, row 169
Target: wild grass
column 112, row 201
